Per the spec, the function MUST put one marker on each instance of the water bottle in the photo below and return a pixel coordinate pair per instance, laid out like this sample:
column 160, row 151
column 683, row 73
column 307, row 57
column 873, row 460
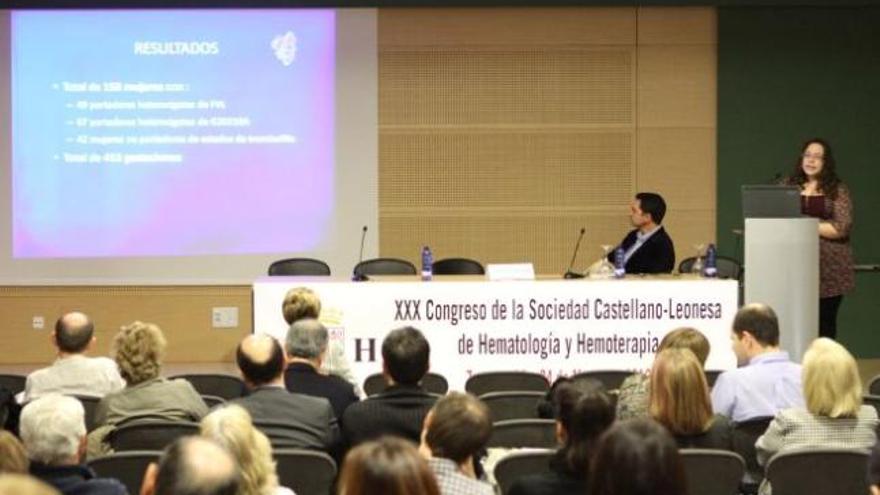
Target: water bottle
column 711, row 267
column 619, row 263
column 427, row 264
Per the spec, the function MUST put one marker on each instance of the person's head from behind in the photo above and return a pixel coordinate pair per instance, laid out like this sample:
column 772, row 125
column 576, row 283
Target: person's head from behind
column 679, row 397
column 831, row 382
column 307, row 340
column 53, row 430
column 260, row 359
column 231, row 427
column 457, row 427
column 139, row 349
column 299, row 303
column 647, row 210
column 192, row 466
column 583, row 412
column 637, row 457
column 387, row 466
column 74, row 333
column 22, row 484
column 13, row 458
column 405, row 356
column 687, row 338
column 755, row 331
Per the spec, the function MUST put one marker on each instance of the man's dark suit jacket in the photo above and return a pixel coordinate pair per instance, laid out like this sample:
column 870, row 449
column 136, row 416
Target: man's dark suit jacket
column 400, row 410
column 76, row 480
column 656, row 255
column 294, row 420
column 303, row 378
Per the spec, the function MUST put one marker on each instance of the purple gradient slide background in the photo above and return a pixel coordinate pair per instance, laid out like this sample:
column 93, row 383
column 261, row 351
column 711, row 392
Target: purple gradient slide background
column 223, row 198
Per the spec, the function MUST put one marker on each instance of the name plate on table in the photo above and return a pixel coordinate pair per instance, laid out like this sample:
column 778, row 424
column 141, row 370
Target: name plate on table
column 510, row 271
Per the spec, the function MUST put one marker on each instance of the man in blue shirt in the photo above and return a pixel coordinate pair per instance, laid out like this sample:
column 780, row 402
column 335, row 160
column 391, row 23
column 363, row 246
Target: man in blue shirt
column 767, row 381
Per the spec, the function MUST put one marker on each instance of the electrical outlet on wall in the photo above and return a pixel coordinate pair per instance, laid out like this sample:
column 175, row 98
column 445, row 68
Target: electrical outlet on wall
column 38, row 322
column 224, row 317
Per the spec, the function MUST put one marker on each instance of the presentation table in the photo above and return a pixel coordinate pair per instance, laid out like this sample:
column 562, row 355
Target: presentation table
column 554, row 327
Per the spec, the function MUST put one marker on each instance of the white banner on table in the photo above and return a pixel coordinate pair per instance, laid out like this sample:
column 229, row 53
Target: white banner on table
column 552, row 327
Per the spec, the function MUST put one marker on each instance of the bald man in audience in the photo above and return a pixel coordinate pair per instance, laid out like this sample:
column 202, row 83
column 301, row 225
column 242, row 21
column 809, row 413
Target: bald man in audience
column 289, row 420
column 192, row 466
column 73, row 373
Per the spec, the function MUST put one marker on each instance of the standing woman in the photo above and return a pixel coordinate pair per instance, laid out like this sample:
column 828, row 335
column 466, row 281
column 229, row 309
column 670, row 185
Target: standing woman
column 825, row 197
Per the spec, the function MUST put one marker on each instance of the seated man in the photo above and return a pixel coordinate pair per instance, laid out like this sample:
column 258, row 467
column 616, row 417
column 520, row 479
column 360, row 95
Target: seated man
column 192, row 466
column 74, row 373
column 455, row 430
column 53, row 431
column 306, row 346
column 289, row 420
column 767, row 381
column 401, row 409
column 647, row 248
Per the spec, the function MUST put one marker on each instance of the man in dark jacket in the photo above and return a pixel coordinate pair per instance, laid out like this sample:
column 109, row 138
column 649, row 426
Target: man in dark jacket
column 647, row 248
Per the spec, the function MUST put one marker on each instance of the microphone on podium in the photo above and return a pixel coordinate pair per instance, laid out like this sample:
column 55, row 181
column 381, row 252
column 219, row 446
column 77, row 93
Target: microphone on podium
column 360, row 277
column 568, row 273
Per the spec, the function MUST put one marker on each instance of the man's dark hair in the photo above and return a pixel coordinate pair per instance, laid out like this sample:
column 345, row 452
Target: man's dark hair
column 257, row 372
column 406, row 353
column 181, row 473
column 73, row 332
column 460, row 426
column 653, row 204
column 760, row 321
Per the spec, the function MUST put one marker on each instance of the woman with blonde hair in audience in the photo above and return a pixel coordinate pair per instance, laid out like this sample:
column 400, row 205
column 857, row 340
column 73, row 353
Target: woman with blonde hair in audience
column 139, row 349
column 835, row 416
column 21, row 484
column 387, row 466
column 232, row 428
column 679, row 400
column 13, row 458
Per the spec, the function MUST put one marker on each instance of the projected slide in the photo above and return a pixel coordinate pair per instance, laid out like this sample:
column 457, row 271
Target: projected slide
column 171, row 133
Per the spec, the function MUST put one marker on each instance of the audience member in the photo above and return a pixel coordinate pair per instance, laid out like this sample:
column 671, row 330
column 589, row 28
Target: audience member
column 401, row 408
column 680, row 402
column 20, row 484
column 231, row 427
column 637, row 457
column 192, row 466
column 834, row 416
column 302, row 302
column 13, row 458
column 53, row 431
column 632, row 398
column 647, row 248
column 583, row 412
column 455, row 431
column 387, row 466
column 138, row 350
column 767, row 381
column 306, row 346
column 289, row 420
column 74, row 373
column 547, row 405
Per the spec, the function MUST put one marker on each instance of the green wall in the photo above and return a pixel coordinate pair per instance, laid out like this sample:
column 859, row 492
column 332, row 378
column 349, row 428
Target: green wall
column 788, row 74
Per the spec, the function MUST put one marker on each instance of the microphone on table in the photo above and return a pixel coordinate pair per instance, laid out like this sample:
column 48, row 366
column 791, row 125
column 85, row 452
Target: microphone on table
column 568, row 273
column 360, row 277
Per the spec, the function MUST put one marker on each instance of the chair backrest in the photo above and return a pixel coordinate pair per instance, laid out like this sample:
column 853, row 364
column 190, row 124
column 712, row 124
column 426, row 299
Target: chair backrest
column 727, row 267
column 512, row 405
column 712, row 472
column 612, row 379
column 744, row 436
column 519, row 433
column 128, row 467
column 432, row 382
column 819, row 472
column 149, row 434
column 299, row 266
column 213, row 401
column 15, row 383
column 506, row 381
column 457, row 266
column 227, row 387
column 712, row 377
column 874, row 386
column 89, row 405
column 306, row 472
column 384, row 266
column 518, row 464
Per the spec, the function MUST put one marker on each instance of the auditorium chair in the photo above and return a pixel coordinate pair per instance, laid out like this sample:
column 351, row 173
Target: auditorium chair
column 213, row 401
column 506, row 381
column 127, row 467
column 457, row 266
column 89, row 404
column 712, row 472
column 712, row 377
column 819, row 472
column 15, row 383
column 744, row 436
column 512, row 405
column 299, row 266
column 227, row 387
column 524, row 433
column 727, row 267
column 432, row 383
column 874, row 386
column 384, row 266
column 873, row 401
column 306, row 472
column 149, row 434
column 518, row 464
column 611, row 379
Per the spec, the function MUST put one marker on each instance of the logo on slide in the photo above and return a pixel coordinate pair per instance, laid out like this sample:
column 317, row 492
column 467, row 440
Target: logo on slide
column 284, row 46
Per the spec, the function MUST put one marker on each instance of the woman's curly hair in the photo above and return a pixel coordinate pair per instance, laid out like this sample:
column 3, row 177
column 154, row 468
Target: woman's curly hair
column 138, row 350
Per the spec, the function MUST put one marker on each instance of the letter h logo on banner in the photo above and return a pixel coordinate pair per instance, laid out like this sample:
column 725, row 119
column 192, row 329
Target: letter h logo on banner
column 367, row 346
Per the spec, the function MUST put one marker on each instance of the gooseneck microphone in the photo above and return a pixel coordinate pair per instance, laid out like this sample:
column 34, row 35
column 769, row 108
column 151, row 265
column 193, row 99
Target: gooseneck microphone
column 360, row 277
column 569, row 273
